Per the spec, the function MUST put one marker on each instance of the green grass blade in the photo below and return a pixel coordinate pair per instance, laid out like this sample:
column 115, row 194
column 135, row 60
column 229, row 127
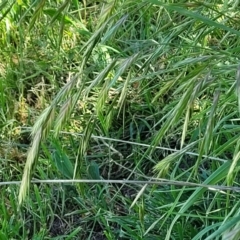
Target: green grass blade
column 214, row 178
column 195, row 15
column 62, row 161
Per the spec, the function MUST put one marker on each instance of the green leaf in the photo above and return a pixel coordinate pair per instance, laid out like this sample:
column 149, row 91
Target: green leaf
column 52, row 12
column 62, row 162
column 93, row 170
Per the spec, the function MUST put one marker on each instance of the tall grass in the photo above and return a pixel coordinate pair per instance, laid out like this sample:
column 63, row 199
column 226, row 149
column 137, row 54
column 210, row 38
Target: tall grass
column 156, row 82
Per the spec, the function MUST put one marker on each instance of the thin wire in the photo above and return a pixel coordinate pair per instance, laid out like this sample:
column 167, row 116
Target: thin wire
column 147, row 145
column 156, row 181
column 143, row 145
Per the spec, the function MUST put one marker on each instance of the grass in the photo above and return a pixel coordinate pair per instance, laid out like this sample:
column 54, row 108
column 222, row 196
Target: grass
column 119, row 90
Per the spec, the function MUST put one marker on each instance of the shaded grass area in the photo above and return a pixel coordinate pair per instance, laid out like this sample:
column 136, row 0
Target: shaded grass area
column 148, row 72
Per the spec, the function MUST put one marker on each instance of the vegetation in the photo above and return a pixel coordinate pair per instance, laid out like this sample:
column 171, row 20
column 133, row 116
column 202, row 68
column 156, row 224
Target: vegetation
column 139, row 91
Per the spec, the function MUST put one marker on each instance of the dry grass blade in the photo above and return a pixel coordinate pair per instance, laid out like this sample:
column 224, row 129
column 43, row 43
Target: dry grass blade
column 140, row 193
column 152, row 181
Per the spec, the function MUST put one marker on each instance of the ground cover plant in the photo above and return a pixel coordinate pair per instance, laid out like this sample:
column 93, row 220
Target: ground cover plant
column 136, row 91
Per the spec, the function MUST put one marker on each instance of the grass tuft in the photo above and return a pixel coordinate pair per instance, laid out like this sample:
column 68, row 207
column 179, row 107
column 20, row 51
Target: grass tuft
column 111, row 95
